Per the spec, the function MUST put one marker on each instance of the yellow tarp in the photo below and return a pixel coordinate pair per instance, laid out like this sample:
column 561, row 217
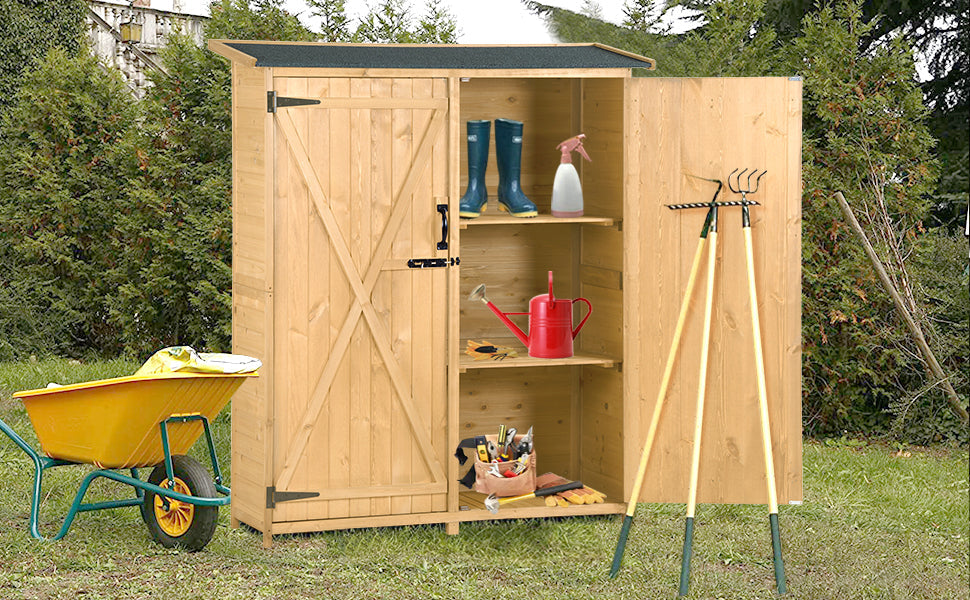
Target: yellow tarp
column 186, row 360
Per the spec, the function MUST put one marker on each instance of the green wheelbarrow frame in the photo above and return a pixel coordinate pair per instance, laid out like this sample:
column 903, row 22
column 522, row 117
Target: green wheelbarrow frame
column 42, row 463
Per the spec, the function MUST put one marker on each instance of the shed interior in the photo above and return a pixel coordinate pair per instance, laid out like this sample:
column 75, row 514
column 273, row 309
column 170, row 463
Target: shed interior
column 576, row 404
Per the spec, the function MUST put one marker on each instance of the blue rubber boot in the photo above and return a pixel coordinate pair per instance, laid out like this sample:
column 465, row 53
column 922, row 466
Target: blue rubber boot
column 508, row 152
column 473, row 202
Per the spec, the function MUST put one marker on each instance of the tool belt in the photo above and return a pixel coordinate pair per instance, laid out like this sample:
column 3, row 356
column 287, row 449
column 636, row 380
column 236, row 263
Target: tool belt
column 479, row 478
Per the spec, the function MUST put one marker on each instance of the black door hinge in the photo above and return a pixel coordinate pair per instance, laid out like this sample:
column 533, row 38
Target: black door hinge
column 432, row 263
column 273, row 497
column 273, row 102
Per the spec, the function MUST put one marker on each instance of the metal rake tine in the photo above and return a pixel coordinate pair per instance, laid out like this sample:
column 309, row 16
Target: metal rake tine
column 753, row 172
column 757, row 182
column 730, row 187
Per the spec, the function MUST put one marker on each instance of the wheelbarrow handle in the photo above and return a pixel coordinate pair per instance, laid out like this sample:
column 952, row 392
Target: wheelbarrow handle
column 10, row 433
column 41, row 463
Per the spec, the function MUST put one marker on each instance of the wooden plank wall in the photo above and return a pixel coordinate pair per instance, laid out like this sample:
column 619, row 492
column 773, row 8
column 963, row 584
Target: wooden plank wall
column 545, row 107
column 521, row 398
column 600, row 413
column 681, row 129
column 251, row 293
column 512, row 261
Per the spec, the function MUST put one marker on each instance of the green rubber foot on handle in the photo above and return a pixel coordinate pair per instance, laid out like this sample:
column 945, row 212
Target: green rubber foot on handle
column 685, row 561
column 621, row 546
column 776, row 555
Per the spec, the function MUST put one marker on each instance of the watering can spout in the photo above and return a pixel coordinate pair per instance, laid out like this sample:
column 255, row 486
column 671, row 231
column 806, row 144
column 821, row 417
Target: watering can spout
column 479, row 294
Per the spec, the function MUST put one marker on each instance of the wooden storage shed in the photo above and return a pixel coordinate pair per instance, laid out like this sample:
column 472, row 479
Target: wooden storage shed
column 348, row 160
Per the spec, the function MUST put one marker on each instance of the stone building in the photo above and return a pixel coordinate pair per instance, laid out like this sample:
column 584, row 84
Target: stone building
column 137, row 59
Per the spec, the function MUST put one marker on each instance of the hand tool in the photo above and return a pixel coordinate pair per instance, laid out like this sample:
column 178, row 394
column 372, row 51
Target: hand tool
column 502, row 432
column 521, row 464
column 665, row 381
column 484, row 350
column 493, row 502
column 481, row 446
column 708, row 204
column 493, row 470
column 509, row 436
column 760, row 369
column 583, row 495
column 492, row 450
column 699, row 412
column 567, row 497
column 525, row 444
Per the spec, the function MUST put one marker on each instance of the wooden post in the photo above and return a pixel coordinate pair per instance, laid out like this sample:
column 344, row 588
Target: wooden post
column 914, row 329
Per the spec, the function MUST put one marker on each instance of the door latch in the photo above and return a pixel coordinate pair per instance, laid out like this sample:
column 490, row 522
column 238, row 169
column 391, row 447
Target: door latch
column 432, row 263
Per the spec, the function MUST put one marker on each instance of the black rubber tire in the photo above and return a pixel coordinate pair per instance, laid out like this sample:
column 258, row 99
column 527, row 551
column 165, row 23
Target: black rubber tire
column 204, row 518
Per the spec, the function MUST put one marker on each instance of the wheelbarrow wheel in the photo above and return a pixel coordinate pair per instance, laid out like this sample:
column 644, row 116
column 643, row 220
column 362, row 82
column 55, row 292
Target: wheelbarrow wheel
column 180, row 524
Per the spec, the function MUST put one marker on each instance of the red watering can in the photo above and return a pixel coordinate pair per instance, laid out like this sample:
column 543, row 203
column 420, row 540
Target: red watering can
column 551, row 330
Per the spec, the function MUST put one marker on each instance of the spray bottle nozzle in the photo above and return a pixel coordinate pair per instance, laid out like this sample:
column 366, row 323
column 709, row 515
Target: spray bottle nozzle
column 574, row 143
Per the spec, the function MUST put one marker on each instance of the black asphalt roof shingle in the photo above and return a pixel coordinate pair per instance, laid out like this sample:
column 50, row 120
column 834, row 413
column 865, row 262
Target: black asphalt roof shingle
column 437, row 57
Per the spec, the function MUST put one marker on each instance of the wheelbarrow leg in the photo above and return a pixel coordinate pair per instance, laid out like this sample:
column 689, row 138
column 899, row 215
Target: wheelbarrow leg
column 213, row 459
column 40, row 463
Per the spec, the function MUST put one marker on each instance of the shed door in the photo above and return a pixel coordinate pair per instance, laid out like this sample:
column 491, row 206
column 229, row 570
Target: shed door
column 360, row 358
column 680, row 131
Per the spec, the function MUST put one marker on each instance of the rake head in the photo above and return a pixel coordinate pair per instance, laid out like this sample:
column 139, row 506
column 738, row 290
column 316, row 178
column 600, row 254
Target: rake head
column 735, row 184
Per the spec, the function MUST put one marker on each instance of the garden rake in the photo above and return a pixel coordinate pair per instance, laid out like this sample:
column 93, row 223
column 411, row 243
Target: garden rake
column 760, row 369
column 708, row 230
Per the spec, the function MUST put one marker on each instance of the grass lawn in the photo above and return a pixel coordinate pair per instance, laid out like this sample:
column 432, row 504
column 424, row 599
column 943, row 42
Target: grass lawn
column 876, row 523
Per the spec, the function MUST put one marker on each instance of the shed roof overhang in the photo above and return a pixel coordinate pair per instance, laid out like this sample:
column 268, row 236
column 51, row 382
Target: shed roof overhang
column 439, row 57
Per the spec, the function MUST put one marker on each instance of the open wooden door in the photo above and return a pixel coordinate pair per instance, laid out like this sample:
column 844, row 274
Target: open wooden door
column 360, row 388
column 679, row 133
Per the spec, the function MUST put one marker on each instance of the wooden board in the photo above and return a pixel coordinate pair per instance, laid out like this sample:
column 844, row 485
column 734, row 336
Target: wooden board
column 506, row 219
column 523, row 360
column 523, row 398
column 252, row 299
column 544, row 106
column 680, row 131
column 360, row 396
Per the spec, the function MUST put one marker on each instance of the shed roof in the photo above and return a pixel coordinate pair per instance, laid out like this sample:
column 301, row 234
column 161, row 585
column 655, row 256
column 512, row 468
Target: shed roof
column 442, row 56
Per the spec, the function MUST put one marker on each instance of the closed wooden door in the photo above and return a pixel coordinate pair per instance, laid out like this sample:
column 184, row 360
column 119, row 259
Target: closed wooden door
column 360, row 383
column 682, row 132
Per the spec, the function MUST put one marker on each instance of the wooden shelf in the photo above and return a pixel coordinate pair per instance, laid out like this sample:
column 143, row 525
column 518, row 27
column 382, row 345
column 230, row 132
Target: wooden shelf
column 505, row 219
column 472, row 508
column 524, row 360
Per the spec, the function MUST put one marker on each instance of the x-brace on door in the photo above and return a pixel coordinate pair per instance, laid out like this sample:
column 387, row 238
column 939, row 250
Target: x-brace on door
column 360, row 406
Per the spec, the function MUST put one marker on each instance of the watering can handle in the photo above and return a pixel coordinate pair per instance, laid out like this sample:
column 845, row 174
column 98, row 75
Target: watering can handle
column 588, row 313
column 551, row 298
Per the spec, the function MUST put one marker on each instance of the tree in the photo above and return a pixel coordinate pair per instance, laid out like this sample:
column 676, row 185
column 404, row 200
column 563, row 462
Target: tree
column 573, row 27
column 933, row 29
column 387, row 23
column 592, row 9
column 61, row 145
column 30, row 29
column 390, row 22
column 334, row 24
column 177, row 273
column 437, row 26
column 866, row 136
column 865, row 133
column 254, row 20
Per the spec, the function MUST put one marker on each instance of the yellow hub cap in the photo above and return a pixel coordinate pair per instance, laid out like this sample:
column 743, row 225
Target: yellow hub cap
column 175, row 521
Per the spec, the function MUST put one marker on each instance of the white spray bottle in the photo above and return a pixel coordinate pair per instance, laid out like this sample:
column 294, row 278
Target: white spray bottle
column 567, row 190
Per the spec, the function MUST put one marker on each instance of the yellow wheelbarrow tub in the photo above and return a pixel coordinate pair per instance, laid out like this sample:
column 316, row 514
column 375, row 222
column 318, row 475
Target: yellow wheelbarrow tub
column 114, row 423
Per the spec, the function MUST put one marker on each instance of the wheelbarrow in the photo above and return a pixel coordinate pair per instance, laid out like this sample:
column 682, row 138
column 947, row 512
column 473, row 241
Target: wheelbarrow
column 127, row 423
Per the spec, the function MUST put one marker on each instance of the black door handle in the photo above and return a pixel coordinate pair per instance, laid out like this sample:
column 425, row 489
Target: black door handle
column 443, row 244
